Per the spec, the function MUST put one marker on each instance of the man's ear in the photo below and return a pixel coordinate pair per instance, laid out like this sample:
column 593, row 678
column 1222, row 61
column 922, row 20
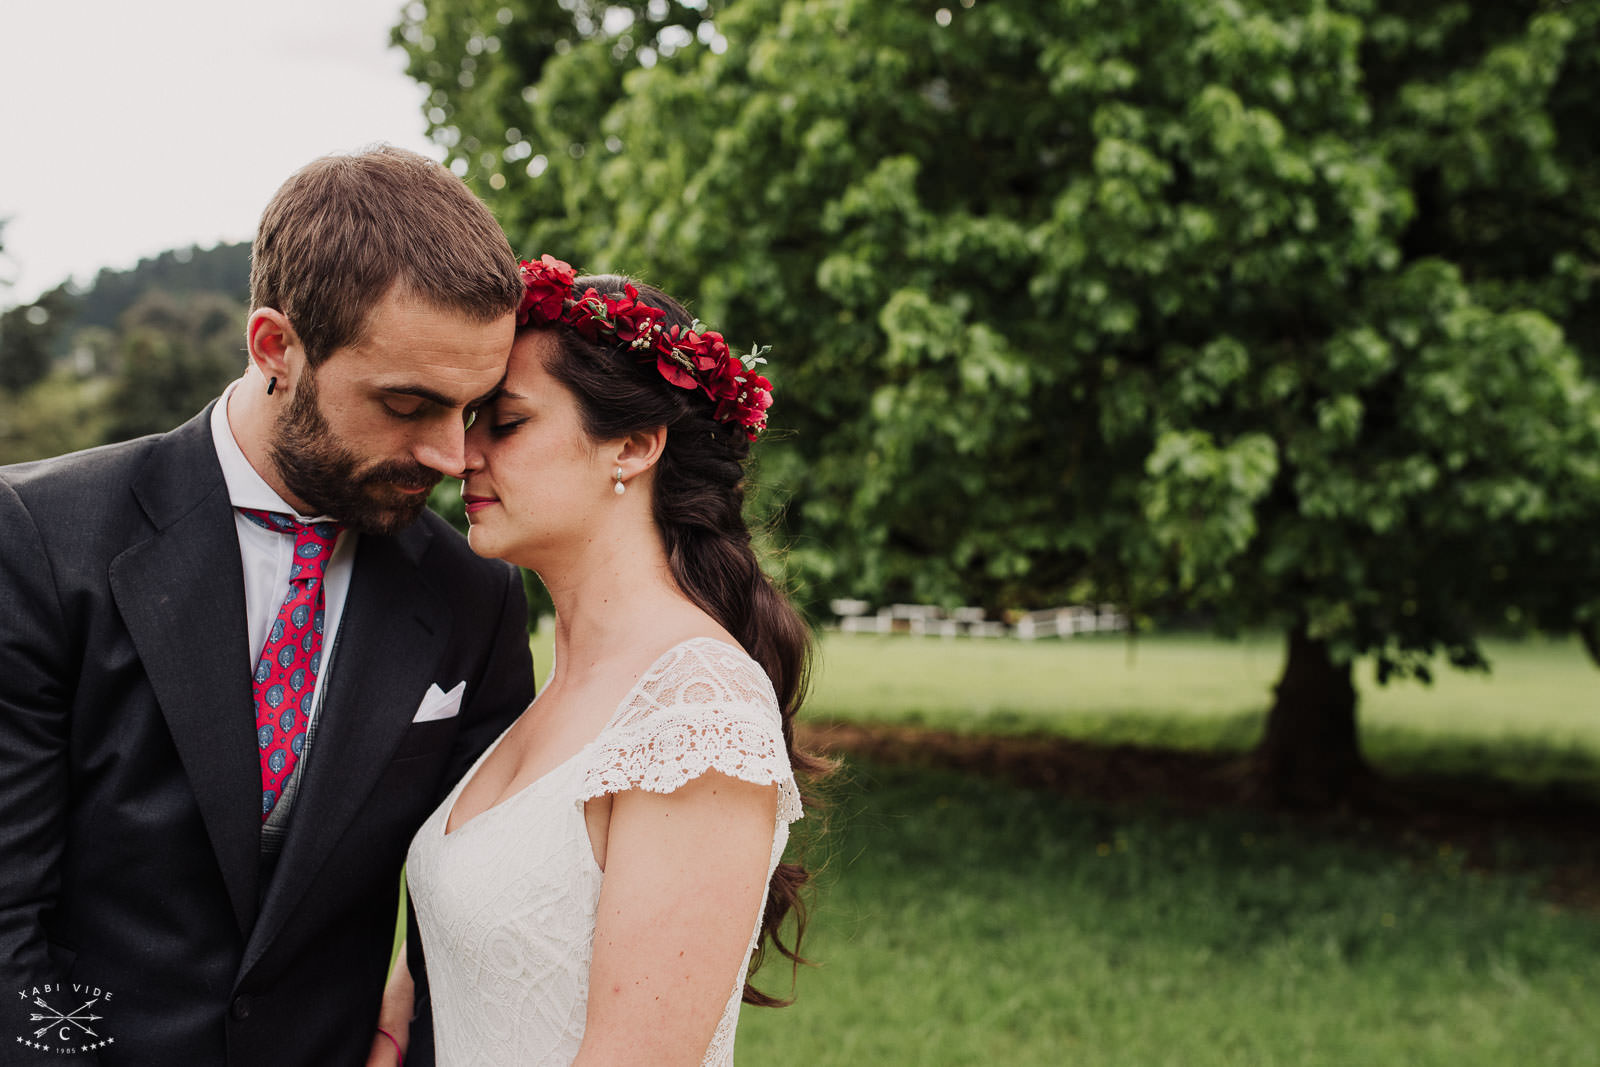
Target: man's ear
column 641, row 450
column 269, row 337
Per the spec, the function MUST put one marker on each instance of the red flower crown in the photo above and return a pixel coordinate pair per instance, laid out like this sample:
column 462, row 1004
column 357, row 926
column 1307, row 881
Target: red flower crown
column 696, row 358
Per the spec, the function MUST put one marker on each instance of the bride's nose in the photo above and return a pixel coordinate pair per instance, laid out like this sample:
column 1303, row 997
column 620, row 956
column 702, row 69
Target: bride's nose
column 473, row 446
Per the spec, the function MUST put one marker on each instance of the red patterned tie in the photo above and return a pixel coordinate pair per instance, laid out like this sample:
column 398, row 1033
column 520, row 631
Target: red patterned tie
column 286, row 673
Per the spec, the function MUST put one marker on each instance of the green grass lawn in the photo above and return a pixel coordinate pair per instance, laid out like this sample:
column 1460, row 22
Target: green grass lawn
column 963, row 921
column 1536, row 715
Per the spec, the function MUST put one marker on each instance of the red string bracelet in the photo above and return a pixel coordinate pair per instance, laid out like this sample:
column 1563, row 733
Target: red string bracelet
column 399, row 1057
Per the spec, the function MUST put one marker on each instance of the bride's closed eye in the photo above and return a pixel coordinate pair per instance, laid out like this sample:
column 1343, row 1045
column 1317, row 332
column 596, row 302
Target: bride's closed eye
column 501, row 426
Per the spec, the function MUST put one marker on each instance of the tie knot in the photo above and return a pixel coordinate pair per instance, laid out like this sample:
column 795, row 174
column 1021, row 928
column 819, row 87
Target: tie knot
column 313, row 541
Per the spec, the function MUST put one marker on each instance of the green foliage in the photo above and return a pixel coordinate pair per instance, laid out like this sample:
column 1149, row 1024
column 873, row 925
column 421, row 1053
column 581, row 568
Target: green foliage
column 1282, row 312
column 27, row 335
column 962, row 921
column 63, row 413
column 180, row 273
column 483, row 58
column 138, row 352
column 175, row 358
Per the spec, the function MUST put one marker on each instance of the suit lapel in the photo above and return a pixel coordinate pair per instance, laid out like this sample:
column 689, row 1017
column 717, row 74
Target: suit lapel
column 386, row 652
column 181, row 595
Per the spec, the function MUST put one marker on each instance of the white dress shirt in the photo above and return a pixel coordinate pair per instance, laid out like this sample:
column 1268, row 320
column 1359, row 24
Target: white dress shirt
column 268, row 556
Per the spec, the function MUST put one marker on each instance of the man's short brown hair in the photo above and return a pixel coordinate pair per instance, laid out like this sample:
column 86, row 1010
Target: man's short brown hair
column 344, row 229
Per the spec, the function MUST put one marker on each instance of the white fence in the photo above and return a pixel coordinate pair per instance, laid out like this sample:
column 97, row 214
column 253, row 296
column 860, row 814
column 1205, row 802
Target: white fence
column 857, row 617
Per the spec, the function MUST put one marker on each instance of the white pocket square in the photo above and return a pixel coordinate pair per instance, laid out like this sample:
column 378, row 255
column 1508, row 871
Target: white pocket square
column 437, row 704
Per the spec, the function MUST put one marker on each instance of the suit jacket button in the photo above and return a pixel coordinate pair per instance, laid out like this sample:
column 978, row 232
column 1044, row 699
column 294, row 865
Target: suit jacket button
column 241, row 1008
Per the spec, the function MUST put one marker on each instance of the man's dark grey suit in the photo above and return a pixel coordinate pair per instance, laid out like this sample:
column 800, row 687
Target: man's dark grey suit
column 129, row 784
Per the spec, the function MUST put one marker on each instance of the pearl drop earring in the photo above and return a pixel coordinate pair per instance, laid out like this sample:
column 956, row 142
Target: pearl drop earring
column 619, row 488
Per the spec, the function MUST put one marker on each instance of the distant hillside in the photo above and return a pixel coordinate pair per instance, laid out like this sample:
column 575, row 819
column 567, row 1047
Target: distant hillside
column 224, row 269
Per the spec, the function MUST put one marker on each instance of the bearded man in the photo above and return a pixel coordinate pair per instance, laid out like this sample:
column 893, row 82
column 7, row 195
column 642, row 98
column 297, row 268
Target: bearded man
column 240, row 662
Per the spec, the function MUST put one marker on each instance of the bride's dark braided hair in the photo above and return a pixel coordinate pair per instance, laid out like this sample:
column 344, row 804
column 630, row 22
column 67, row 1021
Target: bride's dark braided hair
column 699, row 508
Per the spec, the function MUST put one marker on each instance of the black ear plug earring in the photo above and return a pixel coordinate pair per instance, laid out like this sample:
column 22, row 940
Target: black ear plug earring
column 273, row 384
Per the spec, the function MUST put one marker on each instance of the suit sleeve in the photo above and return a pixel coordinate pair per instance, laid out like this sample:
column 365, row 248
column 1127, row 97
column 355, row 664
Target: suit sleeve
column 35, row 698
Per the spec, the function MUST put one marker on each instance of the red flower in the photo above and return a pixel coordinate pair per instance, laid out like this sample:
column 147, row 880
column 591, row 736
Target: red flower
column 760, row 392
column 590, row 314
column 547, row 285
column 722, row 382
column 674, row 371
column 633, row 319
column 710, row 351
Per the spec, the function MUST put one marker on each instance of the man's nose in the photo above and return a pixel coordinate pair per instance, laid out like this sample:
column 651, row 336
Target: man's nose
column 444, row 448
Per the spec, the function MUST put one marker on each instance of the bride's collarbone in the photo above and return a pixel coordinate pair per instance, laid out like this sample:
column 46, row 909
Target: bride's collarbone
column 570, row 713
column 554, row 729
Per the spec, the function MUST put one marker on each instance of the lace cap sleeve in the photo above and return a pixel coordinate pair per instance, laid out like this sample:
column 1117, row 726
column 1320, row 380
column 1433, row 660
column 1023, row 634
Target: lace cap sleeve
column 703, row 706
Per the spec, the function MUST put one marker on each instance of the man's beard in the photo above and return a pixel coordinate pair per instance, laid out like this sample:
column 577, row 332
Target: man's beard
column 329, row 479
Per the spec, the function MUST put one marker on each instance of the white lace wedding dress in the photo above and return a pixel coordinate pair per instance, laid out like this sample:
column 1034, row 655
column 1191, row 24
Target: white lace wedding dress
column 506, row 902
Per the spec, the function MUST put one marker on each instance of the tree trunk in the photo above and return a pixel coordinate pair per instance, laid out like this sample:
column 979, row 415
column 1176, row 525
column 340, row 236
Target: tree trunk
column 1311, row 755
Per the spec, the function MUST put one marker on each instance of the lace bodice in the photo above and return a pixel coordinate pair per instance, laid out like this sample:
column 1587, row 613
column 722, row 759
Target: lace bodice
column 506, row 902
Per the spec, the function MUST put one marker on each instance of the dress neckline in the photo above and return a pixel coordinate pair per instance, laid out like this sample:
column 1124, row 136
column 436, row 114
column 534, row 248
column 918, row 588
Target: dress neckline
column 649, row 672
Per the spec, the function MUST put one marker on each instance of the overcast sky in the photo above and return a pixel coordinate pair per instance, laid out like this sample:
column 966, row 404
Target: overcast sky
column 128, row 128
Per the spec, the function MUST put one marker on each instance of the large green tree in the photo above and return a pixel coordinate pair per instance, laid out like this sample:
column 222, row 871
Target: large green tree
column 1273, row 310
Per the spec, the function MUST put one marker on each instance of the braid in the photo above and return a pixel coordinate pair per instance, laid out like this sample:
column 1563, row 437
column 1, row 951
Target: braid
column 699, row 507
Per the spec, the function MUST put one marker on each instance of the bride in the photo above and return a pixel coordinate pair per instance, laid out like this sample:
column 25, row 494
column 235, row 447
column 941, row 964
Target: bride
column 595, row 888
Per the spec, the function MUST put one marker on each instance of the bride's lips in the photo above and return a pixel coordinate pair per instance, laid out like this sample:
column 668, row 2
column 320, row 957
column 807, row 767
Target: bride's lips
column 476, row 503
